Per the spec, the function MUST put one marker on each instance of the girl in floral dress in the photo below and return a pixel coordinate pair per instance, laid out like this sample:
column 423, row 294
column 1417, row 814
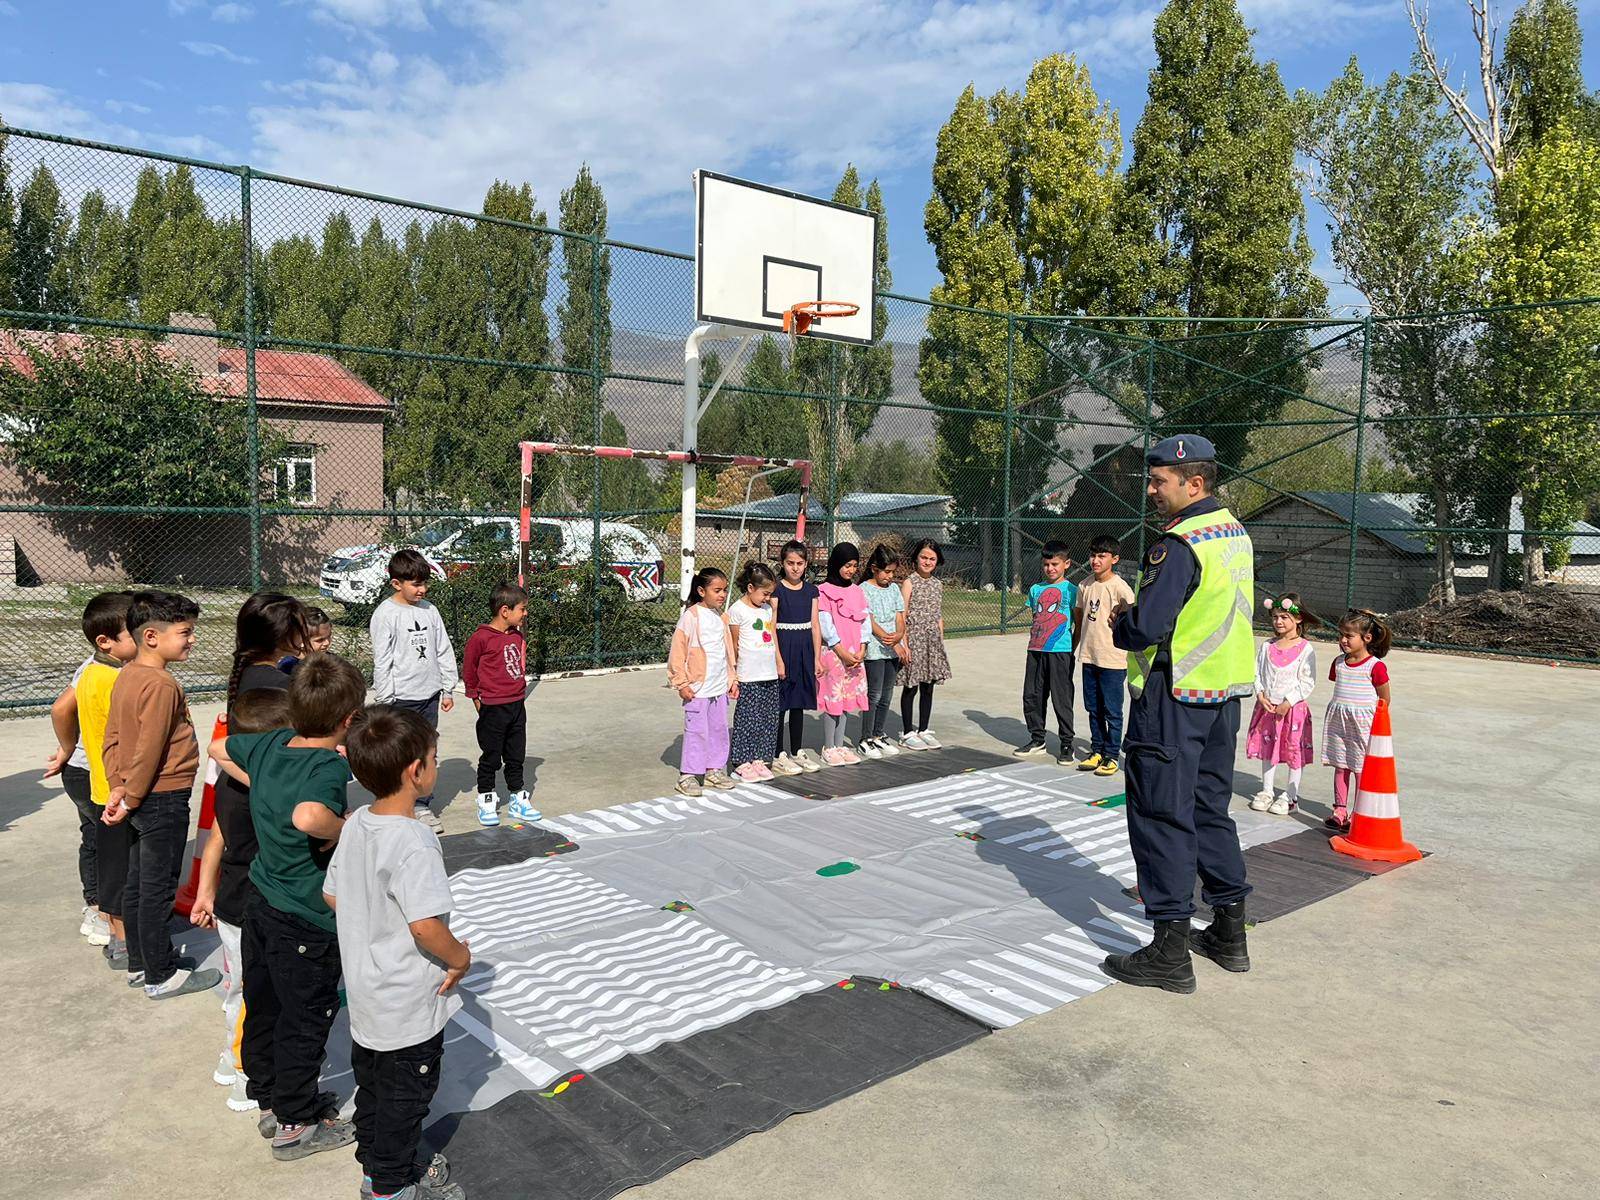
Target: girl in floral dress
column 926, row 662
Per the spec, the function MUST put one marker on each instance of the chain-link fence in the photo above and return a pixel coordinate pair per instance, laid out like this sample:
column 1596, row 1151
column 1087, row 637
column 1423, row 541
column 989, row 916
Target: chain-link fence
column 218, row 380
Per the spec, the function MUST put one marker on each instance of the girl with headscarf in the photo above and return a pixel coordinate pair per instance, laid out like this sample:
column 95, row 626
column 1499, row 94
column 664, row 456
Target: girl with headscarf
column 842, row 685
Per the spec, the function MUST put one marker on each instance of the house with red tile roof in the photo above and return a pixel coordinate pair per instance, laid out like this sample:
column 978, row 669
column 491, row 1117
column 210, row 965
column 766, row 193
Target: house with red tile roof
column 332, row 421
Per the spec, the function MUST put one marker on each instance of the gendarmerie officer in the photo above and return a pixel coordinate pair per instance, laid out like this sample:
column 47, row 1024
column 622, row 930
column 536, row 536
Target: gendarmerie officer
column 1192, row 659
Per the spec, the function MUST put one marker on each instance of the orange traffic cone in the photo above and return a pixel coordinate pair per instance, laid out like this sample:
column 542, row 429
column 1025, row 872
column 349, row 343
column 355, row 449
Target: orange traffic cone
column 1375, row 833
column 208, row 818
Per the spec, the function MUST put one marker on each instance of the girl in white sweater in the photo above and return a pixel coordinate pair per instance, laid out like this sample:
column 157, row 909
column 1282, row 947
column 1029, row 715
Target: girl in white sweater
column 1280, row 726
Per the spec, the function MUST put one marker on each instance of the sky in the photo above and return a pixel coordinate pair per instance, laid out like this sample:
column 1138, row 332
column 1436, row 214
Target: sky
column 432, row 100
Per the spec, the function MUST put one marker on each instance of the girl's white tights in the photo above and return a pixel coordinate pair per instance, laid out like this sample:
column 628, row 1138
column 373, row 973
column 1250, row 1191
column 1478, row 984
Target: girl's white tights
column 1270, row 770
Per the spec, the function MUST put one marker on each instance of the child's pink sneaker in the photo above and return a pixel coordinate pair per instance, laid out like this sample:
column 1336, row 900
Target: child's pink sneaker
column 749, row 772
column 766, row 771
column 834, row 756
column 848, row 757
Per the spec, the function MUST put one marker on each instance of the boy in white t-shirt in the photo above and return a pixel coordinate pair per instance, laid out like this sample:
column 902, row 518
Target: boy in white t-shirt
column 1105, row 668
column 388, row 886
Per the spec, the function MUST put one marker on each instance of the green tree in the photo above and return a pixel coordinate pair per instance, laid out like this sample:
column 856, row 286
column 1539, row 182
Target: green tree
column 1547, row 248
column 583, row 321
column 1024, row 188
column 383, row 311
column 478, row 292
column 1391, row 172
column 183, row 260
column 1215, row 215
column 293, row 309
column 8, row 222
column 96, row 263
column 860, row 377
column 895, row 466
column 78, row 429
column 40, row 241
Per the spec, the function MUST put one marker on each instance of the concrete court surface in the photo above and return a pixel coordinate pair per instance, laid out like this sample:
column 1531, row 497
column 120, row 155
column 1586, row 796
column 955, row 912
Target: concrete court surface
column 1431, row 1033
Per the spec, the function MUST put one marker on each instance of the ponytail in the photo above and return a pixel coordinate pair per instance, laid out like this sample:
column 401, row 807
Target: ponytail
column 702, row 580
column 1369, row 624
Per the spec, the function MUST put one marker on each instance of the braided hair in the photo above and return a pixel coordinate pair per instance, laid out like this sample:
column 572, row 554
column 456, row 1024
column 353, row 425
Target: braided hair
column 267, row 623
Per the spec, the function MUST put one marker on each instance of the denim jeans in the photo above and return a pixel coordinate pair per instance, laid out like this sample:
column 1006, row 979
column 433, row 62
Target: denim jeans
column 880, row 691
column 393, row 1091
column 1102, row 699
column 76, row 782
column 429, row 709
column 291, row 995
column 159, row 831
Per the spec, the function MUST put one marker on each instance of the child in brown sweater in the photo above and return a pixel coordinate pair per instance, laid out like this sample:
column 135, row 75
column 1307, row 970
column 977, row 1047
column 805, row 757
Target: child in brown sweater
column 151, row 758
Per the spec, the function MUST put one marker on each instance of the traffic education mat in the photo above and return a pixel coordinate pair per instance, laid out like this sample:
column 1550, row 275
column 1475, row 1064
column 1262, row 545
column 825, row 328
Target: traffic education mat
column 655, row 980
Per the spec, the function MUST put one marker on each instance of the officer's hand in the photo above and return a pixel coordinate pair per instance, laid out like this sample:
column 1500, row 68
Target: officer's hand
column 1120, row 607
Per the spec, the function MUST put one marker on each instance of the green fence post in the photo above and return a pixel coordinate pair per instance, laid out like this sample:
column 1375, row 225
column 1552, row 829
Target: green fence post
column 1005, row 479
column 1149, row 418
column 252, row 415
column 596, row 385
column 1355, row 482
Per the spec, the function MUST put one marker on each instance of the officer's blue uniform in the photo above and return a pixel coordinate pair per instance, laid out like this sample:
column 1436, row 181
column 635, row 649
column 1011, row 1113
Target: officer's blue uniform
column 1179, row 756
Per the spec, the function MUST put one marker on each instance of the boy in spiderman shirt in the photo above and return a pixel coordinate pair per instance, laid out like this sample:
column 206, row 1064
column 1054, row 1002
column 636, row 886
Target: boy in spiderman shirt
column 1049, row 672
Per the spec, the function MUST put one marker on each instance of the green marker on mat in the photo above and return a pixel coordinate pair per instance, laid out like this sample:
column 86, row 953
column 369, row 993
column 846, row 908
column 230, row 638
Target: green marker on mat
column 838, row 868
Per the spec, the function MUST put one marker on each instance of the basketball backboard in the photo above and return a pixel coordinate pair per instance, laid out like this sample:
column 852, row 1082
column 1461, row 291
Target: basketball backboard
column 760, row 249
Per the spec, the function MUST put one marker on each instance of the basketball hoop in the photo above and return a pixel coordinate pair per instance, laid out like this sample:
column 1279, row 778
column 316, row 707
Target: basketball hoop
column 800, row 317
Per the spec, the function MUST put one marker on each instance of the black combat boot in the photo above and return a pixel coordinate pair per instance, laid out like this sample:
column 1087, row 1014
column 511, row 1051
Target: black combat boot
column 1164, row 963
column 1223, row 940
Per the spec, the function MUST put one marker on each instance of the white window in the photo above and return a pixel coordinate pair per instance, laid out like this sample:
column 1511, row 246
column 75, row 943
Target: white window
column 295, row 476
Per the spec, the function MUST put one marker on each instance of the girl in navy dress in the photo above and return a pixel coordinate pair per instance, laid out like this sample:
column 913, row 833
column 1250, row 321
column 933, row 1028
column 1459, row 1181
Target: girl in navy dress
column 800, row 643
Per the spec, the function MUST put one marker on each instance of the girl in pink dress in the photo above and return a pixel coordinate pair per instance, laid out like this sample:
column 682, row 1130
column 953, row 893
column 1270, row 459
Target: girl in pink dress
column 842, row 688
column 1280, row 726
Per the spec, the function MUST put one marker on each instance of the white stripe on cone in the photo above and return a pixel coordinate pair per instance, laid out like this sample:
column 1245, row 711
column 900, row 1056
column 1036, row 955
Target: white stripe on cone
column 1380, row 805
column 1380, row 745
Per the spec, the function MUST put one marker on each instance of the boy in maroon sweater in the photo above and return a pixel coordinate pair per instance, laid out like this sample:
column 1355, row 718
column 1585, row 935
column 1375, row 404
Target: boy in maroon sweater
column 495, row 672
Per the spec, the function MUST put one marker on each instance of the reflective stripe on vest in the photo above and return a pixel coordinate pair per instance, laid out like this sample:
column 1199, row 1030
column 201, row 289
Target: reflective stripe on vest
column 1211, row 648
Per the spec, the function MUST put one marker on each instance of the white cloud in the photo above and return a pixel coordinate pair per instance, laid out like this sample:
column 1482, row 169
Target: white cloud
column 51, row 110
column 787, row 93
column 232, row 14
column 8, row 9
column 216, row 50
column 127, row 106
column 373, row 14
column 214, row 110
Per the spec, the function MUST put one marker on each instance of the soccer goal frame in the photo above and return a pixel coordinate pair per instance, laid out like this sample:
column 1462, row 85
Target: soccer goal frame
column 687, row 460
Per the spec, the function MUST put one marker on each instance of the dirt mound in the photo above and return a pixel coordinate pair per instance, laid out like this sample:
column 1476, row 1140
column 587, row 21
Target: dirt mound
column 1537, row 623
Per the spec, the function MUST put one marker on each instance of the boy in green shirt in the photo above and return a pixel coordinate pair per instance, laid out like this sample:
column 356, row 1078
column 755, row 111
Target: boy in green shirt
column 297, row 783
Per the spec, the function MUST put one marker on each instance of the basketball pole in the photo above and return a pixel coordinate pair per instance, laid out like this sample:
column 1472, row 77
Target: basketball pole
column 693, row 409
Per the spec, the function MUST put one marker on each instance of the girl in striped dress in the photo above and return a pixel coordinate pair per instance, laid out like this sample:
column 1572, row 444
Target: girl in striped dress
column 1360, row 680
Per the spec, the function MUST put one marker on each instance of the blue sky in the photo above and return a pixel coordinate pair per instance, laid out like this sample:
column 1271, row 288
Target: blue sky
column 433, row 99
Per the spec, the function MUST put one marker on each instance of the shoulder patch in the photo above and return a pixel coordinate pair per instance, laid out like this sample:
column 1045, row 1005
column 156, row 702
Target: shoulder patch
column 1157, row 555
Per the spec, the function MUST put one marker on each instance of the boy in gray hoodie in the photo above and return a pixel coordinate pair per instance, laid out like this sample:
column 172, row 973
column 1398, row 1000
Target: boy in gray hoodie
column 413, row 662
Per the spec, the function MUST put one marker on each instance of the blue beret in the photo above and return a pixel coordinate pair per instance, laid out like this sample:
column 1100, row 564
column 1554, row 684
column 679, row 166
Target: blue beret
column 1184, row 448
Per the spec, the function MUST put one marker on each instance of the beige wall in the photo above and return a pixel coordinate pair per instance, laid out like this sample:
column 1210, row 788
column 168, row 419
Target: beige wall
column 72, row 548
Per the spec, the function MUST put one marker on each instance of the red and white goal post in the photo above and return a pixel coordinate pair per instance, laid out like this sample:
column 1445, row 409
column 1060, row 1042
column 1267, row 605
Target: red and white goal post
column 681, row 458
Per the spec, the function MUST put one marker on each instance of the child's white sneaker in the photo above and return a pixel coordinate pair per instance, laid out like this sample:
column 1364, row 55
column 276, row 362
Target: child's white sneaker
column 808, row 760
column 1281, row 805
column 488, row 809
column 913, row 741
column 1260, row 802
column 96, row 928
column 521, row 808
column 929, row 742
column 887, row 747
column 226, row 1072
column 239, row 1095
column 869, row 748
column 785, row 765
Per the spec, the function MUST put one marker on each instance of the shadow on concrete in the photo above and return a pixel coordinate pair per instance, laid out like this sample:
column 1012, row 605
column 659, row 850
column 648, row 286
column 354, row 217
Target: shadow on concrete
column 25, row 793
column 1076, row 894
column 1012, row 731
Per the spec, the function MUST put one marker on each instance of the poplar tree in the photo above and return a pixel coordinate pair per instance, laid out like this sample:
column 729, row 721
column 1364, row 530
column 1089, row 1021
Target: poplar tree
column 1024, row 189
column 1215, row 216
